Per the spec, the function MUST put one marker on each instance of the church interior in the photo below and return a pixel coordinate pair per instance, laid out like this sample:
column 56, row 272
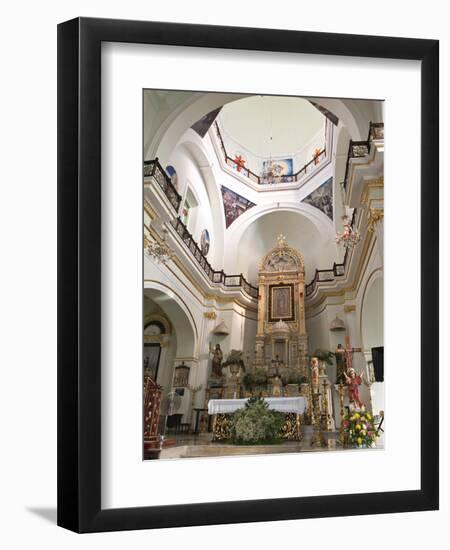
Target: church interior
column 263, row 274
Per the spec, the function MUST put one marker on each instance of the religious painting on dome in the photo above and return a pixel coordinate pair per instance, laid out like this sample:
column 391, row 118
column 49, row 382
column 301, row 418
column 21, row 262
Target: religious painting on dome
column 281, row 303
column 172, row 173
column 204, row 124
column 322, row 198
column 280, row 169
column 205, row 242
column 234, row 205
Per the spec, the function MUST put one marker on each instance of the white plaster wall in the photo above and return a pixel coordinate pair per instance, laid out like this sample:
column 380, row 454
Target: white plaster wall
column 372, row 329
column 189, row 176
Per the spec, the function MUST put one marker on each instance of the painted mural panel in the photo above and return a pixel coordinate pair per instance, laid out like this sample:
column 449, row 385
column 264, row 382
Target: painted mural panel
column 234, row 205
column 322, row 198
column 204, row 124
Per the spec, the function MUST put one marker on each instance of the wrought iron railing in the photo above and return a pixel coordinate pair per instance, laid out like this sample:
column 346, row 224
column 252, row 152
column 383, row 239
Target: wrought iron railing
column 262, row 179
column 220, row 277
column 329, row 275
column 154, row 169
column 360, row 149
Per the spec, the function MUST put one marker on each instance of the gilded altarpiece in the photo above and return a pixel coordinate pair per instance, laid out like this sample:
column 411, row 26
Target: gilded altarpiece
column 281, row 334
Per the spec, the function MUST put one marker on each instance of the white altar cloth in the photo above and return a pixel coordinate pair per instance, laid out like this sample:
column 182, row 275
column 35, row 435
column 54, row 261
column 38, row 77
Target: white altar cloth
column 281, row 404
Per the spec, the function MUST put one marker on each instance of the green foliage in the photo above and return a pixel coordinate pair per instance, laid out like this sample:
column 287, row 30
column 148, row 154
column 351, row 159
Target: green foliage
column 292, row 376
column 324, row 355
column 256, row 423
column 234, row 358
column 256, row 378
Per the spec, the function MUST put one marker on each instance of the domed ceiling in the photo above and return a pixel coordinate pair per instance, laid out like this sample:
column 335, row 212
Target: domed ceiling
column 271, row 125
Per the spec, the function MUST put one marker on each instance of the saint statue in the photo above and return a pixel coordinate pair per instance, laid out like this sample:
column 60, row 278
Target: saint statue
column 277, row 386
column 341, row 364
column 217, row 358
column 315, row 374
column 353, row 381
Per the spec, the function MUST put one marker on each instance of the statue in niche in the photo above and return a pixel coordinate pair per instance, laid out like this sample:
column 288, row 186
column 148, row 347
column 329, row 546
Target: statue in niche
column 353, row 381
column 217, row 358
column 341, row 364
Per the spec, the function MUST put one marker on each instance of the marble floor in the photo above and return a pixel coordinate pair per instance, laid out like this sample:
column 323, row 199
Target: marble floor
column 201, row 445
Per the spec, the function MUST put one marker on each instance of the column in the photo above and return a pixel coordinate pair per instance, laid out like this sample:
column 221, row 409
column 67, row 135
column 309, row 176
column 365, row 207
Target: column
column 261, row 308
column 376, row 226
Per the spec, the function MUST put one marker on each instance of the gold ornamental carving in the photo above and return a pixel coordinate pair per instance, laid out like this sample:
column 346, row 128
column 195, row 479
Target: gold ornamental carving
column 374, row 215
column 212, row 315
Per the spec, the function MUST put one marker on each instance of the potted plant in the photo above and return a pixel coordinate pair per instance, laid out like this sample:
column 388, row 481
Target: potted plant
column 255, row 379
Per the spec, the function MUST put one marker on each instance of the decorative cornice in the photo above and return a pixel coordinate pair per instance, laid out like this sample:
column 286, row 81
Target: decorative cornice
column 377, row 183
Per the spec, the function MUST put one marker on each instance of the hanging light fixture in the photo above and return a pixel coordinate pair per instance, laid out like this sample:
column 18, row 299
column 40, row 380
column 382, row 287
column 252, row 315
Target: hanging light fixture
column 161, row 252
column 271, row 170
column 349, row 237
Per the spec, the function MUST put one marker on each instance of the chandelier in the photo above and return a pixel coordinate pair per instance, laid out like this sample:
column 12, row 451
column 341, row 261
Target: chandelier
column 161, row 252
column 349, row 237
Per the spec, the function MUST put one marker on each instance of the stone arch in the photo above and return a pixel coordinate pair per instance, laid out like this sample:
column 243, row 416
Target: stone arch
column 194, row 146
column 183, row 116
column 160, row 320
column 319, row 219
column 250, row 240
column 179, row 315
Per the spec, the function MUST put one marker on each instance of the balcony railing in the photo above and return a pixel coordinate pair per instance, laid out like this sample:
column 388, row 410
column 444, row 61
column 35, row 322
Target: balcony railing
column 220, row 277
column 329, row 275
column 359, row 149
column 264, row 180
column 152, row 168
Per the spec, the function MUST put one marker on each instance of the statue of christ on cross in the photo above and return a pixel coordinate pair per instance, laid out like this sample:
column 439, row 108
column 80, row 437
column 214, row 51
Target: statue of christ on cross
column 344, row 360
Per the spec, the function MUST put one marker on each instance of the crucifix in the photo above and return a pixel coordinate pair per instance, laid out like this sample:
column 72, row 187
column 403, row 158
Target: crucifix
column 349, row 351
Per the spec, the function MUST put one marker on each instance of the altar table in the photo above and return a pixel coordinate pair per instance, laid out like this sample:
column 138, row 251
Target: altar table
column 292, row 407
column 282, row 404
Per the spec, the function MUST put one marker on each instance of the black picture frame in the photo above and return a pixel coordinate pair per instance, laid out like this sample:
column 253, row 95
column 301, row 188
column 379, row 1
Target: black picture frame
column 79, row 274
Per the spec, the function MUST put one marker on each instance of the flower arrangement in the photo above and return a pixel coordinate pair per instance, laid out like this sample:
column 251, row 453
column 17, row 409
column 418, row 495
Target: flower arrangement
column 359, row 429
column 256, row 424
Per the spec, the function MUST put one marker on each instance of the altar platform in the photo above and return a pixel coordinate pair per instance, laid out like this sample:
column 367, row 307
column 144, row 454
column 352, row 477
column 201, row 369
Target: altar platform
column 202, row 445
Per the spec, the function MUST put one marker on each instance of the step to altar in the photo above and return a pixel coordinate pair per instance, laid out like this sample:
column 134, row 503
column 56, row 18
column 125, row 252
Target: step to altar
column 221, row 449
